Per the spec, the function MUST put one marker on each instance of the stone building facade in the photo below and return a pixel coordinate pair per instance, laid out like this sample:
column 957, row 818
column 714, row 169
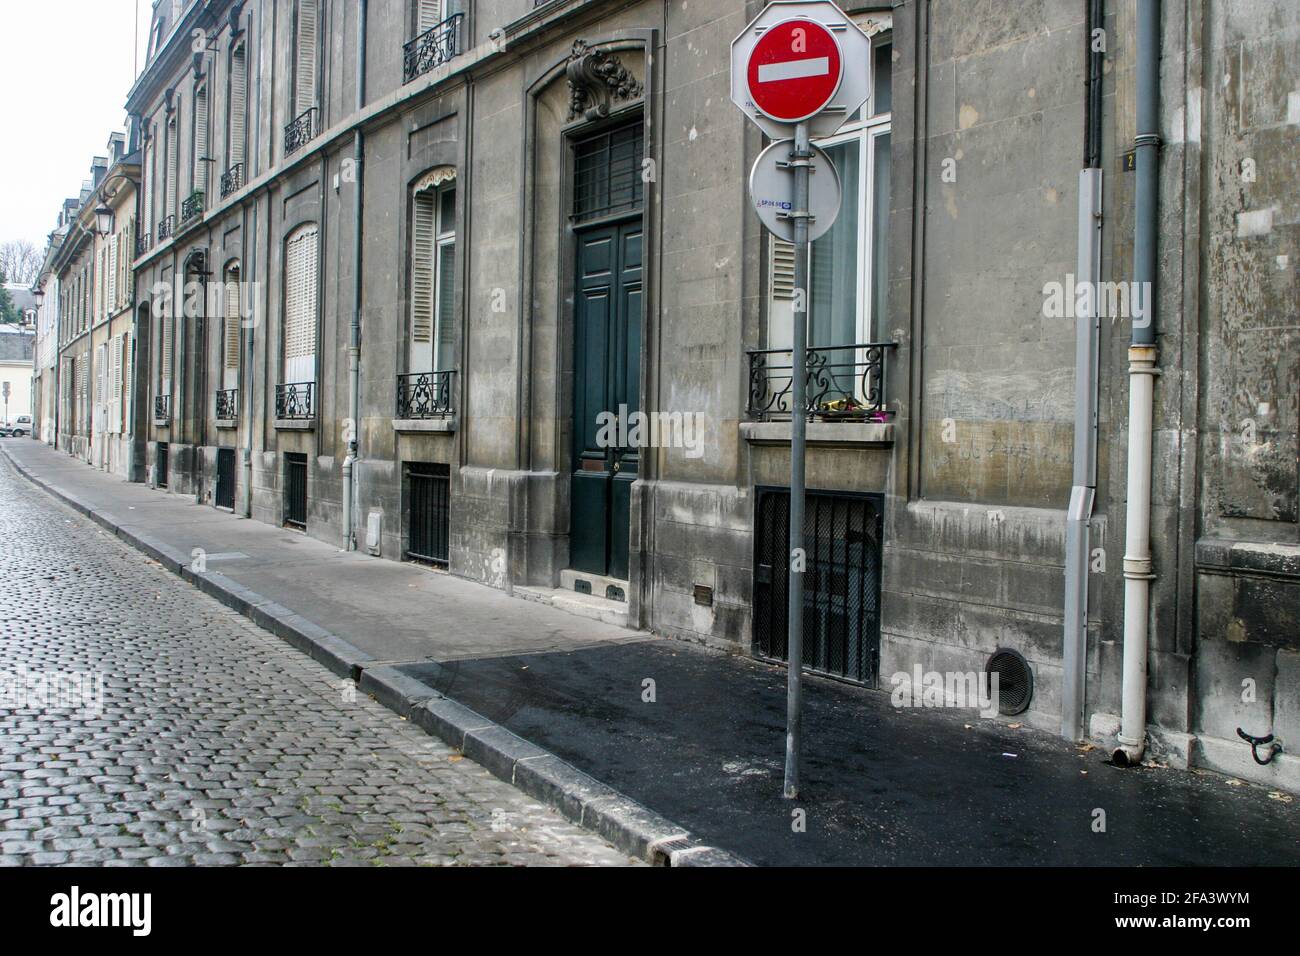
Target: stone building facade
column 457, row 239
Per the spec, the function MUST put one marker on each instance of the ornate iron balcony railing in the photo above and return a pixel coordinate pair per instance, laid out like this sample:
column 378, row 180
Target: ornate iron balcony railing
column 432, row 48
column 165, row 228
column 296, row 400
column 300, row 131
column 424, row 394
column 162, row 407
column 227, row 404
column 192, row 207
column 232, row 180
column 142, row 244
column 843, row 383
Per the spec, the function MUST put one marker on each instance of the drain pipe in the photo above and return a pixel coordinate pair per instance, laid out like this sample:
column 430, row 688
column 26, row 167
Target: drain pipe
column 1142, row 371
column 1083, row 494
column 354, row 334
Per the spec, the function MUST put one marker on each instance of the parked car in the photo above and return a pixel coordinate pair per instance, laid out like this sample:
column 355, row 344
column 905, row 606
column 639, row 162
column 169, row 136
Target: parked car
column 21, row 427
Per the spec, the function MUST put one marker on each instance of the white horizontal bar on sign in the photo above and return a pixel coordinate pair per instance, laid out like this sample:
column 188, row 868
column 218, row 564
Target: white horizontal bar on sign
column 794, row 69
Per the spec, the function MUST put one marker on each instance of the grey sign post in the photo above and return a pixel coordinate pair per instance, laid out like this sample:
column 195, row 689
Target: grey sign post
column 800, row 66
column 801, row 160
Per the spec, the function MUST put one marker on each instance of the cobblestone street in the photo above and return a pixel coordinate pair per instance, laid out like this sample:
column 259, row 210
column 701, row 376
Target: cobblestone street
column 216, row 743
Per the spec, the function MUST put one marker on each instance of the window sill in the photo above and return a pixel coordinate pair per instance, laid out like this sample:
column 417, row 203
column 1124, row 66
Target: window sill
column 853, row 434
column 422, row 425
column 295, row 424
column 162, row 422
column 227, row 423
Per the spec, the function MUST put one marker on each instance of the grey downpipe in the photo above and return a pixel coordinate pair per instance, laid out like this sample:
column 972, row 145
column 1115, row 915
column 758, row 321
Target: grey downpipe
column 1083, row 494
column 249, row 277
column 1142, row 355
column 354, row 332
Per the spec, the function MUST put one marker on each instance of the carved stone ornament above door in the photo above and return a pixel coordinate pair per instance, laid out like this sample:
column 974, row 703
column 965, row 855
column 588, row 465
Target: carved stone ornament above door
column 597, row 80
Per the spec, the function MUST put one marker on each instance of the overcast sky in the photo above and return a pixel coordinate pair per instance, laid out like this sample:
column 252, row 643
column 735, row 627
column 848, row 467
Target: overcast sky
column 65, row 69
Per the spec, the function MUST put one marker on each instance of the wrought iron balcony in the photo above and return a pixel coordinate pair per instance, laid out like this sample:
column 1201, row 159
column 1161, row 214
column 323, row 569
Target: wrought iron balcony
column 295, row 401
column 232, row 180
column 165, row 228
column 424, row 394
column 432, row 48
column 192, row 207
column 227, row 404
column 142, row 244
column 162, row 408
column 843, row 383
column 300, row 131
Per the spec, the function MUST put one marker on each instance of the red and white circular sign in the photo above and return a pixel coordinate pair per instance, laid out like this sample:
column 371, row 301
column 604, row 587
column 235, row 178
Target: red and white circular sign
column 795, row 70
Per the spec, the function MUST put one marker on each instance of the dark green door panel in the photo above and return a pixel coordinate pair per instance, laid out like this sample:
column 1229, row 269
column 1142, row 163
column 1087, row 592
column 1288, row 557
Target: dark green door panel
column 607, row 375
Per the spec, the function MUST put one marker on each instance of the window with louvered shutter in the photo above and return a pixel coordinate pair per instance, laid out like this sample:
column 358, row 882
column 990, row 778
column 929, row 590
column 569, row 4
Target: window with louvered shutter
column 170, row 184
column 231, row 331
column 151, row 176
column 423, row 235
column 115, row 416
column 201, row 139
column 238, row 105
column 301, row 266
column 428, row 14
column 111, row 303
column 307, row 38
column 168, row 321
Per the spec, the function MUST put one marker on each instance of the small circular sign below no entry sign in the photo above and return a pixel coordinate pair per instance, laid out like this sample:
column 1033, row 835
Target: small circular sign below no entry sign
column 794, row 70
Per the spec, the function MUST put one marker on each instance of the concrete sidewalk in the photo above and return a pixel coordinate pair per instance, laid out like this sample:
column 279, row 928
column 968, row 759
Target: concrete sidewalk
column 556, row 704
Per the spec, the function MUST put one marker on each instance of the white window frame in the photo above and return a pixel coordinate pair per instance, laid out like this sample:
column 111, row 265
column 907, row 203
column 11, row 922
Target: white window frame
column 865, row 129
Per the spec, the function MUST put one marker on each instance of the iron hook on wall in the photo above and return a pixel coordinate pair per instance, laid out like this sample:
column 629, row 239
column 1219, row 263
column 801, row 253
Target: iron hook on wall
column 1275, row 746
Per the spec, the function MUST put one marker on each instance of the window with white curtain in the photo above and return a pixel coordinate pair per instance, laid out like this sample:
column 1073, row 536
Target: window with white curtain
column 301, row 267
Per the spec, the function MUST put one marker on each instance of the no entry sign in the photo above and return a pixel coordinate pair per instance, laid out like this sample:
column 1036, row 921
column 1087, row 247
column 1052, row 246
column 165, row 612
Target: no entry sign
column 794, row 70
column 800, row 61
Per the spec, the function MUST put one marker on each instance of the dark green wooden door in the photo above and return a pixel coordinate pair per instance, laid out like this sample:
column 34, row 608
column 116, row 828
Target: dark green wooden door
column 607, row 375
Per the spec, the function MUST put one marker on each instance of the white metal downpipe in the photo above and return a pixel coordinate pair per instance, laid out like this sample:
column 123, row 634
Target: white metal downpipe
column 1137, row 554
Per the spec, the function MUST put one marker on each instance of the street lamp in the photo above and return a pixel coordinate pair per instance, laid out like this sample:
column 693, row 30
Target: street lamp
column 38, row 295
column 104, row 221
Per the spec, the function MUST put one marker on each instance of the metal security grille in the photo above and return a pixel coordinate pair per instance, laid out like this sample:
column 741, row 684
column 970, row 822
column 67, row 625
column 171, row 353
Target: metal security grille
column 841, row 607
column 162, row 465
column 607, row 173
column 226, row 478
column 295, row 491
column 428, row 513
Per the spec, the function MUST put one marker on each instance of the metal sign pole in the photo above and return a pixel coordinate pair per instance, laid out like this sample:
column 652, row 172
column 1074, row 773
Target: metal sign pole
column 800, row 161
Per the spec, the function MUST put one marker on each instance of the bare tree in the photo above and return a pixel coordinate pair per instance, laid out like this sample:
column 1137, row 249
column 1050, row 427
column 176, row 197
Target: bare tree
column 20, row 261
